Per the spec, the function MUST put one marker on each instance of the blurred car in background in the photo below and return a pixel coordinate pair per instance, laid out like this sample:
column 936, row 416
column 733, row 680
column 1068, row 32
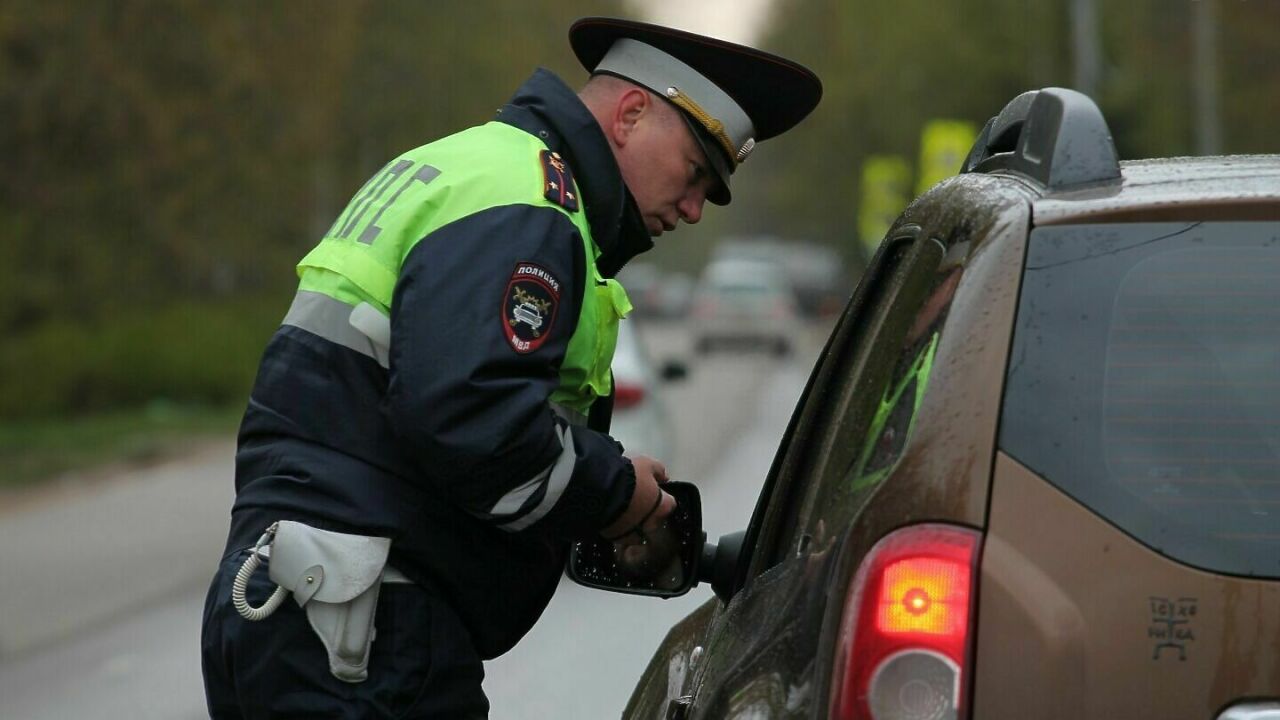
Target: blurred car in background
column 816, row 272
column 640, row 420
column 677, row 295
column 819, row 278
column 745, row 303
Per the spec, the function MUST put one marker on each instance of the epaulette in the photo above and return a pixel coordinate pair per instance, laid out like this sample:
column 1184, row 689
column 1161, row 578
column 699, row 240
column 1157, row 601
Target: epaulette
column 557, row 181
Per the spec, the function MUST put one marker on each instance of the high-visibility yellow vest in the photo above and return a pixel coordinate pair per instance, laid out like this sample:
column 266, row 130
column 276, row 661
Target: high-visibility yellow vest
column 360, row 257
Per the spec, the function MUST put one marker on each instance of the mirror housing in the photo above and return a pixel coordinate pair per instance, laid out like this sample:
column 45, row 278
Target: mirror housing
column 719, row 565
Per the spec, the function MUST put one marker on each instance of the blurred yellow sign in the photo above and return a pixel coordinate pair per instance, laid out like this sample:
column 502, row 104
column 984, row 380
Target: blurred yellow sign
column 886, row 181
column 943, row 147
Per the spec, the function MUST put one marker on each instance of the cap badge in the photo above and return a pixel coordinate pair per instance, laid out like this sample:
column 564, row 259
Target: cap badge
column 713, row 125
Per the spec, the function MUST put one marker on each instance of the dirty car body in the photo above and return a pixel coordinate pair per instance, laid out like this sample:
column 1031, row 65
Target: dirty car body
column 1034, row 471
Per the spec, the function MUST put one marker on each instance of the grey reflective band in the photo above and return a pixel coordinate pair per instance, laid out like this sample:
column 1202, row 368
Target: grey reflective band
column 1252, row 711
column 660, row 72
column 371, row 323
column 557, row 479
column 511, row 503
column 362, row 328
column 571, row 416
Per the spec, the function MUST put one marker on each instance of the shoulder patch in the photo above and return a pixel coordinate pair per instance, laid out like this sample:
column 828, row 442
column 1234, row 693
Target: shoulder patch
column 557, row 181
column 529, row 307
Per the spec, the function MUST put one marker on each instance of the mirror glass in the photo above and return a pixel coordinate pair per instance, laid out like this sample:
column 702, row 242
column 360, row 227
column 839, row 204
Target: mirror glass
column 664, row 563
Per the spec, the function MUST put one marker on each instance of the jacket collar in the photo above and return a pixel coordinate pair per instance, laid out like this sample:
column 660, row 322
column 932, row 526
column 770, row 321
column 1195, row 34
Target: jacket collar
column 548, row 108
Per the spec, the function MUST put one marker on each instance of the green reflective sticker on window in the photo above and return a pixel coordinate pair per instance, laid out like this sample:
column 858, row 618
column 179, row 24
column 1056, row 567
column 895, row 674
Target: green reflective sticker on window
column 894, row 420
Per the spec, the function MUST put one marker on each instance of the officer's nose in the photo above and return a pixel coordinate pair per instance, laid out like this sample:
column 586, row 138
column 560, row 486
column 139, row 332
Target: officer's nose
column 690, row 206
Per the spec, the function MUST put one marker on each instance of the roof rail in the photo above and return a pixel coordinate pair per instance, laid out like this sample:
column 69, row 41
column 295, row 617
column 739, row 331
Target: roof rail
column 1055, row 137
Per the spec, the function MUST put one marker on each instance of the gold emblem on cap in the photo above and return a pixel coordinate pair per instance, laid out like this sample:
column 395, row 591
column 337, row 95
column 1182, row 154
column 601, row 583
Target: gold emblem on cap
column 713, row 126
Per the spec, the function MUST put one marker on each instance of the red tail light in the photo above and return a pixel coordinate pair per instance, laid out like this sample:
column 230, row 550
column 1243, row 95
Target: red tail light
column 626, row 395
column 904, row 639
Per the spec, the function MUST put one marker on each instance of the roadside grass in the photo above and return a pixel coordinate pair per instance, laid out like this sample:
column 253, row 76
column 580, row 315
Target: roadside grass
column 36, row 450
column 127, row 385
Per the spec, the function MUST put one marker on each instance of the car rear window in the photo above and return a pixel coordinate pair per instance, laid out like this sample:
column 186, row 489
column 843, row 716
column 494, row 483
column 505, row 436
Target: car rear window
column 1144, row 381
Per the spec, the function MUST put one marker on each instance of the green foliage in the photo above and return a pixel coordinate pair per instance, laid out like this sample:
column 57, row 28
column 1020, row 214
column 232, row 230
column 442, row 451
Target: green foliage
column 888, row 68
column 1250, row 76
column 166, row 162
column 165, row 159
column 34, row 450
column 181, row 352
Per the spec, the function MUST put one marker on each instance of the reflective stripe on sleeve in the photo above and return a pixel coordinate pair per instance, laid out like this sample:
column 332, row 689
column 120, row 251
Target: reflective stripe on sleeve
column 355, row 328
column 571, row 416
column 556, row 477
column 511, row 503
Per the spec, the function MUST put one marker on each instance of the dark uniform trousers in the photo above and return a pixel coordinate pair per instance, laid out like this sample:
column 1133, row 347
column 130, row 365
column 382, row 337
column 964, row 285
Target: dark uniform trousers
column 422, row 664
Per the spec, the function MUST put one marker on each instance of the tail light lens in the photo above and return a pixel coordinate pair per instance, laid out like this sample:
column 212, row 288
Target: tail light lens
column 903, row 650
column 627, row 395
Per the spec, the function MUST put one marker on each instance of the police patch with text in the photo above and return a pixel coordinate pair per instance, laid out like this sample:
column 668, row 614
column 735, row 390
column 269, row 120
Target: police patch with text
column 529, row 307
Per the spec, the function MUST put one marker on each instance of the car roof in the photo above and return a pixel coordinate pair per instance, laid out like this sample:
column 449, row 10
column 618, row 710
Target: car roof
column 1168, row 182
column 743, row 271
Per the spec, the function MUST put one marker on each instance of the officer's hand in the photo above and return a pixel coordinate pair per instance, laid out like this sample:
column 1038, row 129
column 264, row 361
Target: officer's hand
column 649, row 504
column 643, row 544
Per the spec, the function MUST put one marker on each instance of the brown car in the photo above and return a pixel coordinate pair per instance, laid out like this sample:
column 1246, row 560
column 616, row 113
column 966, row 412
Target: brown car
column 1036, row 471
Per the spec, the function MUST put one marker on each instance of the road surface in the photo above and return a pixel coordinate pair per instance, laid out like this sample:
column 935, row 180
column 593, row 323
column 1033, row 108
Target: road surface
column 101, row 583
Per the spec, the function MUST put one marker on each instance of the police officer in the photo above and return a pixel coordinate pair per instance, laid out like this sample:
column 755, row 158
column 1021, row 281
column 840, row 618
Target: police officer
column 428, row 428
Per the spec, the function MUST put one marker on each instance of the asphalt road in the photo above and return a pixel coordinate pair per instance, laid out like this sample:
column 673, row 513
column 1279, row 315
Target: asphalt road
column 585, row 654
column 102, row 581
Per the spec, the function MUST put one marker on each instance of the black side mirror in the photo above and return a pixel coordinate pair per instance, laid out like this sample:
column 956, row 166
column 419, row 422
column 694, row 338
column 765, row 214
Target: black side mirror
column 592, row 563
column 719, row 564
column 674, row 370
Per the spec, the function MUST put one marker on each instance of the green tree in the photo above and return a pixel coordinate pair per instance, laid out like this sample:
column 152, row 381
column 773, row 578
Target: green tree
column 888, row 68
column 168, row 161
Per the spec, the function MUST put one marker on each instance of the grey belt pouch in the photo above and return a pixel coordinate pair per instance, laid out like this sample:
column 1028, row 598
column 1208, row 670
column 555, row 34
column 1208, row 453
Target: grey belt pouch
column 335, row 577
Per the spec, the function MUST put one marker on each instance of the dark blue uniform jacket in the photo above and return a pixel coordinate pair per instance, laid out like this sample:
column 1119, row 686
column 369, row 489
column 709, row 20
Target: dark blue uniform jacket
column 419, row 452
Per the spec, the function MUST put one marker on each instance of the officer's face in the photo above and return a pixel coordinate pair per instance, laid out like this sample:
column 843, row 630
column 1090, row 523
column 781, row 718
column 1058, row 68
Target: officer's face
column 664, row 168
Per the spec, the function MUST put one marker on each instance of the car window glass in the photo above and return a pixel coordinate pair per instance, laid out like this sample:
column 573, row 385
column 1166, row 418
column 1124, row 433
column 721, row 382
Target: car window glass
column 1144, row 381
column 775, row 522
column 881, row 393
column 899, row 405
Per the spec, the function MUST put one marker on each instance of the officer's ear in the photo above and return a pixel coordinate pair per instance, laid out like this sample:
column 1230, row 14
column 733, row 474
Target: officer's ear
column 632, row 106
